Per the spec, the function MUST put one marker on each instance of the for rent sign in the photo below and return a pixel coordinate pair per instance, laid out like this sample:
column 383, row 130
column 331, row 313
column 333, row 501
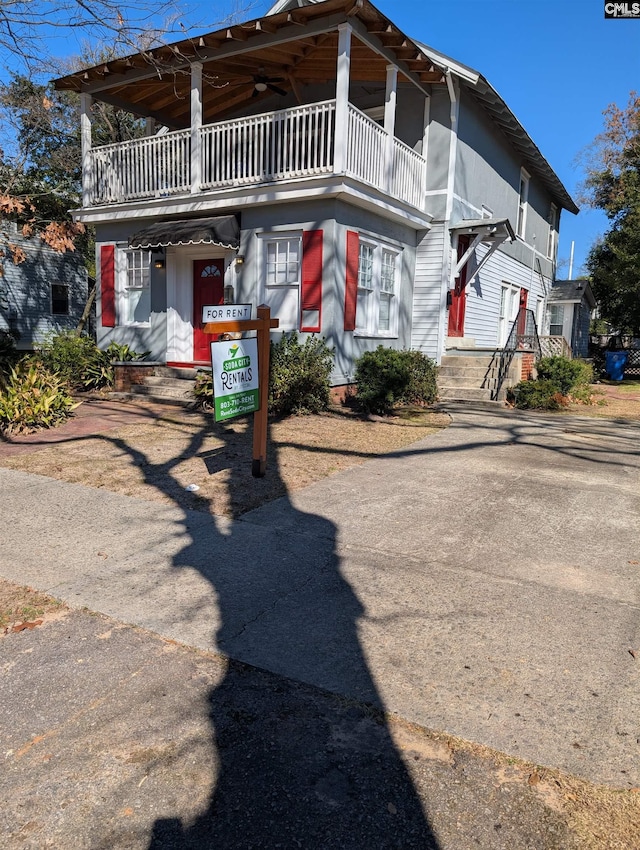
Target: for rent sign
column 235, row 378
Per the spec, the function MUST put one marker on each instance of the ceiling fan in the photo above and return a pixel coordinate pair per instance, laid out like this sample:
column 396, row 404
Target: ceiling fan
column 261, row 82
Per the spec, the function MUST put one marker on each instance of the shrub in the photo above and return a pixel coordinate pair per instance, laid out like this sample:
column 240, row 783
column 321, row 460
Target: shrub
column 537, row 395
column 79, row 362
column 563, row 372
column 387, row 377
column 203, row 390
column 9, row 355
column 33, row 398
column 299, row 375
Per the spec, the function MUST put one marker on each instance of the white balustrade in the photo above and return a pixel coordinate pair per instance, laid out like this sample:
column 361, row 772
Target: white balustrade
column 270, row 147
column 141, row 168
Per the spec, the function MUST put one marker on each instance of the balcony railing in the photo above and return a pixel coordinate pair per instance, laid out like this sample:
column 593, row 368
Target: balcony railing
column 267, row 148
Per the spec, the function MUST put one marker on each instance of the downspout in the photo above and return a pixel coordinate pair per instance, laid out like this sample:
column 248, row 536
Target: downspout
column 454, row 110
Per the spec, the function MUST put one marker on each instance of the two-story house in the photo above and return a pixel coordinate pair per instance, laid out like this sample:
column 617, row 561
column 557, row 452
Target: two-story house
column 320, row 161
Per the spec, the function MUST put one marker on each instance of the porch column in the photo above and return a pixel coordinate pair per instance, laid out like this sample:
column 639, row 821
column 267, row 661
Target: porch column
column 342, row 99
column 85, row 137
column 390, row 123
column 196, row 124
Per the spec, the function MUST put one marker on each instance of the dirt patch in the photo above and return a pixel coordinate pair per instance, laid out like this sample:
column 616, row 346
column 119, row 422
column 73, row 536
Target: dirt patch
column 182, row 449
column 612, row 400
column 25, row 608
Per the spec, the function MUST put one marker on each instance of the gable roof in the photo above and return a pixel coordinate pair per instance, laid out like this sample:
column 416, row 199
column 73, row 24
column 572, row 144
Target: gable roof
column 295, row 40
column 571, row 291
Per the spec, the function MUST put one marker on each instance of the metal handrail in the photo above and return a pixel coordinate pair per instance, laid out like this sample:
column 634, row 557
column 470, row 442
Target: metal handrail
column 523, row 336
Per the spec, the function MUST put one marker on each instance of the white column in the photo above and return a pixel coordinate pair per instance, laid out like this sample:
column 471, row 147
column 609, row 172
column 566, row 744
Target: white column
column 196, row 124
column 85, row 136
column 390, row 122
column 342, row 99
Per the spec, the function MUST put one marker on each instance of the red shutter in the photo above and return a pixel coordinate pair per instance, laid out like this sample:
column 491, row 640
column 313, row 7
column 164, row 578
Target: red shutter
column 311, row 289
column 351, row 280
column 108, row 285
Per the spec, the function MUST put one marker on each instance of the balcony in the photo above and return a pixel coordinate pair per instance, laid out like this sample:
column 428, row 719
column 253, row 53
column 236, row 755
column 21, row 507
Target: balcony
column 267, row 149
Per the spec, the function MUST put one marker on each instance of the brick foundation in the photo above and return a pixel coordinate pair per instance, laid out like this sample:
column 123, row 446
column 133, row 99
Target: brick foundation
column 526, row 366
column 127, row 374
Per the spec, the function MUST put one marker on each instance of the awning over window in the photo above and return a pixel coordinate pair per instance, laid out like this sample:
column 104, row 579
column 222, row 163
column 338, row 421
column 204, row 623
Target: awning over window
column 222, row 230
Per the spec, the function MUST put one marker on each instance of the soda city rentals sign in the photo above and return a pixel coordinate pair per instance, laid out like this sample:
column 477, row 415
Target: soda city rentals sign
column 235, row 378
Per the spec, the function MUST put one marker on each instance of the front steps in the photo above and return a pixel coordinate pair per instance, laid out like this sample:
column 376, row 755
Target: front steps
column 165, row 384
column 472, row 376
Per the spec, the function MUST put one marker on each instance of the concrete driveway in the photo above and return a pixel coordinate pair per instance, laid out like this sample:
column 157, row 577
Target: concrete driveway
column 484, row 581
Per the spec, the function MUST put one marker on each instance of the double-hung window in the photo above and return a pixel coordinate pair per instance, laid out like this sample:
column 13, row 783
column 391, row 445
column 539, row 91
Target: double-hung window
column 282, row 264
column 377, row 299
column 523, row 197
column 556, row 319
column 136, row 290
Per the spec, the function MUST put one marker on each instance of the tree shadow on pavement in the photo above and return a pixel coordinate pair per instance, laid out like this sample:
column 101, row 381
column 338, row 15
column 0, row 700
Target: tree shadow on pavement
column 305, row 757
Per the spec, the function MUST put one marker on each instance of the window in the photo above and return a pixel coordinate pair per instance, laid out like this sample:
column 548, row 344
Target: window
column 556, row 319
column 282, row 261
column 136, row 301
column 523, row 193
column 59, row 299
column 553, row 230
column 377, row 308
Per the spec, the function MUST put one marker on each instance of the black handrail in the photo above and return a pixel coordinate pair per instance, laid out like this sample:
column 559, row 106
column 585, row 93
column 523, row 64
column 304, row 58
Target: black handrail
column 523, row 336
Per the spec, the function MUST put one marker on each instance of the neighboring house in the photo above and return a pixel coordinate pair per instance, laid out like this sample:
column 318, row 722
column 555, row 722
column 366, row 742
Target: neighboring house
column 570, row 306
column 47, row 292
column 318, row 160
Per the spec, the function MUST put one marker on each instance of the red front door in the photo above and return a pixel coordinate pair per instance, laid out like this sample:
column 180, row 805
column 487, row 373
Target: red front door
column 208, row 290
column 459, row 294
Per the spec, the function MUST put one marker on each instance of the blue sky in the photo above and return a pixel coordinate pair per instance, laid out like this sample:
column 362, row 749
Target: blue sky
column 556, row 63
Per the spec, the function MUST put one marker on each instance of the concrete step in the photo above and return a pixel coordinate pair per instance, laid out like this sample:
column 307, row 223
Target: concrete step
column 446, row 371
column 164, row 381
column 187, row 372
column 160, row 392
column 456, row 393
column 466, row 360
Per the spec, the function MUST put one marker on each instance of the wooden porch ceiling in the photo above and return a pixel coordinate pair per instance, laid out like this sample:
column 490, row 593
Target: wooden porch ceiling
column 298, row 48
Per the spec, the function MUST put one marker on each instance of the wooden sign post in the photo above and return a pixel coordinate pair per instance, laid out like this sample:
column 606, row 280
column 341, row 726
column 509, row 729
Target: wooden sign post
column 263, row 324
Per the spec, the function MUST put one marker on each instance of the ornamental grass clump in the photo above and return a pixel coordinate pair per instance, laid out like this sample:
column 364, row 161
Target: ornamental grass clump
column 32, row 397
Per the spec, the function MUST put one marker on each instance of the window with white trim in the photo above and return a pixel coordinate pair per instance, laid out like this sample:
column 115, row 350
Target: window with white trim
column 282, row 266
column 553, row 232
column 377, row 302
column 556, row 319
column 523, row 197
column 135, row 277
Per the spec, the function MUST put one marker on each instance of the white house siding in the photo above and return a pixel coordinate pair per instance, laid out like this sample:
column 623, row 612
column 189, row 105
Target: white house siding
column 428, row 291
column 483, row 295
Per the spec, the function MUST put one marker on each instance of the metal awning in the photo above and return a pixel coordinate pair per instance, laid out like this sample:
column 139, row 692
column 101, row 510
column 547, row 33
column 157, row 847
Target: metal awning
column 222, row 230
column 493, row 231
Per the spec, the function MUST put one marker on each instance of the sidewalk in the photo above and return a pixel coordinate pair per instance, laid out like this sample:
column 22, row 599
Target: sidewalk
column 483, row 582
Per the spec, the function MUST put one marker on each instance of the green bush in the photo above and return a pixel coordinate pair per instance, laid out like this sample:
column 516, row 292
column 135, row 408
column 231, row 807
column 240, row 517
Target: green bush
column 387, row 377
column 203, row 389
column 537, row 395
column 563, row 372
column 33, row 398
column 9, row 355
column 79, row 362
column 299, row 375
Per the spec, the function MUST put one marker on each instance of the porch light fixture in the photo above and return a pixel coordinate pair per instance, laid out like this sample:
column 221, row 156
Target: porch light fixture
column 239, row 259
column 159, row 263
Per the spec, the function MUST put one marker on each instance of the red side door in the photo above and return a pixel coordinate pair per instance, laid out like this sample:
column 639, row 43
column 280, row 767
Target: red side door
column 522, row 316
column 208, row 290
column 459, row 294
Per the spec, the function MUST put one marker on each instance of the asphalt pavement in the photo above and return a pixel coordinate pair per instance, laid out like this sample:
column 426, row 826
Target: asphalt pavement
column 483, row 582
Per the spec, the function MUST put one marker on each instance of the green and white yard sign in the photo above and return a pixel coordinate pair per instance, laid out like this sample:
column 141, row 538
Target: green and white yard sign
column 235, row 378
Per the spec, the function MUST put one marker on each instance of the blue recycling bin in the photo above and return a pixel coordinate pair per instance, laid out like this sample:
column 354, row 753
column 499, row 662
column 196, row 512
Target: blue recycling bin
column 614, row 362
